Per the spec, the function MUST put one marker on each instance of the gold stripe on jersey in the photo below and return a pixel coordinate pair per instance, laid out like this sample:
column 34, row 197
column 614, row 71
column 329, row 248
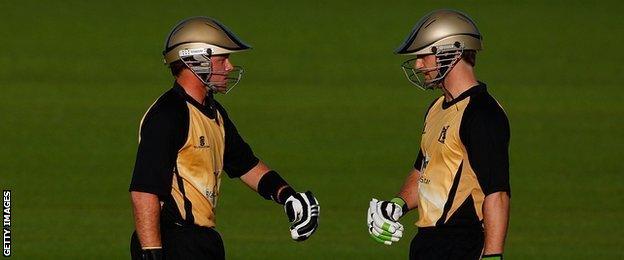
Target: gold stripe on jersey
column 444, row 156
column 200, row 164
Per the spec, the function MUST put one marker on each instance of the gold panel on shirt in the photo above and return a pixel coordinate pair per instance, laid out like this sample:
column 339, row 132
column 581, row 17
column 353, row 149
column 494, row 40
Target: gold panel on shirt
column 443, row 155
column 200, row 164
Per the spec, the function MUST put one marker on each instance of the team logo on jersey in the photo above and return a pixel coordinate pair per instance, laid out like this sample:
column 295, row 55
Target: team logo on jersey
column 423, row 165
column 202, row 143
column 442, row 137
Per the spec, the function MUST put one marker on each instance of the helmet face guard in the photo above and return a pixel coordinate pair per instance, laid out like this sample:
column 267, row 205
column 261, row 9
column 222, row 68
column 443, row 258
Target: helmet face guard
column 232, row 78
column 200, row 63
column 446, row 58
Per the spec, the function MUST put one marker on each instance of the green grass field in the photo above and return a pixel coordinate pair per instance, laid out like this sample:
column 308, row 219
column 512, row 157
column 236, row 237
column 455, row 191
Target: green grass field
column 324, row 102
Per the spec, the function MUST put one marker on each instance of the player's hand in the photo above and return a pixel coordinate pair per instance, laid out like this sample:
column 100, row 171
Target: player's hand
column 383, row 221
column 303, row 213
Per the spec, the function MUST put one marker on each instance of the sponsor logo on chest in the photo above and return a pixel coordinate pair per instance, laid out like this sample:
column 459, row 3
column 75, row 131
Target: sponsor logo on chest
column 201, row 143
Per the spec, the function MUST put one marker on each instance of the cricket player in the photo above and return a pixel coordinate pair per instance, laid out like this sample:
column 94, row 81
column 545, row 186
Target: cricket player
column 460, row 180
column 187, row 140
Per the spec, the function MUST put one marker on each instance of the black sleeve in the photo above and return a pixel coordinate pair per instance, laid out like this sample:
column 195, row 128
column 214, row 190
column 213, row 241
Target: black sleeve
column 163, row 132
column 485, row 133
column 238, row 157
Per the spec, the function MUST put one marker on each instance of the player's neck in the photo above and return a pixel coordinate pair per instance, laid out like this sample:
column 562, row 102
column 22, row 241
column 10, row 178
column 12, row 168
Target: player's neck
column 192, row 86
column 459, row 79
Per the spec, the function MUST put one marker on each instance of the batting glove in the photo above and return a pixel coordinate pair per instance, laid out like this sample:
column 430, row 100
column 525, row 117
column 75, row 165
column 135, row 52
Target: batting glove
column 383, row 220
column 303, row 213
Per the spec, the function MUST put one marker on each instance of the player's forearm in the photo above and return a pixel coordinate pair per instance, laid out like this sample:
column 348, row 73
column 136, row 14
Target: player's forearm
column 146, row 207
column 409, row 191
column 495, row 221
column 253, row 176
column 268, row 183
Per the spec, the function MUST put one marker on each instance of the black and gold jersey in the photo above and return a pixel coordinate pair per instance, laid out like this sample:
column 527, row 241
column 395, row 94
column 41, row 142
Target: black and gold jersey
column 463, row 157
column 184, row 147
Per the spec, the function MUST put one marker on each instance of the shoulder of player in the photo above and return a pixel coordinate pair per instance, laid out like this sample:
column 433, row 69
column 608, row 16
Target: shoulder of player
column 483, row 105
column 169, row 108
column 484, row 113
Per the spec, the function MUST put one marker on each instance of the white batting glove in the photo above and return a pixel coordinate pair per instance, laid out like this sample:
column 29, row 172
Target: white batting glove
column 303, row 213
column 383, row 221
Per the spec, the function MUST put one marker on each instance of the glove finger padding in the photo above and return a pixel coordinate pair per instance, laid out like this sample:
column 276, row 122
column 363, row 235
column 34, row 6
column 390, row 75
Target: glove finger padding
column 377, row 230
column 384, row 235
column 382, row 221
column 303, row 212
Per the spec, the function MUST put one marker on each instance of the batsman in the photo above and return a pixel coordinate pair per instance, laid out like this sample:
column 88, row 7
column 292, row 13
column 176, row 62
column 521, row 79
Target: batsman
column 460, row 180
column 187, row 141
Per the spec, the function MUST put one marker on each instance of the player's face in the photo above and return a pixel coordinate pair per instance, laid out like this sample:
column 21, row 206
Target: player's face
column 221, row 66
column 427, row 65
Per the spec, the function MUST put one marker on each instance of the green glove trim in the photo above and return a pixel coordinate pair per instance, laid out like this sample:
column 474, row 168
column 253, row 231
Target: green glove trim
column 398, row 201
column 381, row 238
column 384, row 237
column 377, row 239
column 386, row 233
column 386, row 226
column 401, row 202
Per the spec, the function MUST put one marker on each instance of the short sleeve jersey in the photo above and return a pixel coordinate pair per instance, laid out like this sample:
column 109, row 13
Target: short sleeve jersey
column 184, row 147
column 463, row 157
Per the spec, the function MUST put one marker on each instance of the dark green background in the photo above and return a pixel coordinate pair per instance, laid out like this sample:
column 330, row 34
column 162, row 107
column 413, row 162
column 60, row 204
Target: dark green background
column 325, row 103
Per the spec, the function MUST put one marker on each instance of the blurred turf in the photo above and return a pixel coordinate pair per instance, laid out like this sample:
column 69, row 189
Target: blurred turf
column 324, row 102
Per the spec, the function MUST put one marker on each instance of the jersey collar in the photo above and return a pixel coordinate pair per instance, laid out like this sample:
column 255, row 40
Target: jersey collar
column 481, row 87
column 208, row 110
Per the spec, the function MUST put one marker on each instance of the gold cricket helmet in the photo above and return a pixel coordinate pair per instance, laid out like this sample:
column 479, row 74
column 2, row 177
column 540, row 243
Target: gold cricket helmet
column 201, row 33
column 441, row 28
column 445, row 34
